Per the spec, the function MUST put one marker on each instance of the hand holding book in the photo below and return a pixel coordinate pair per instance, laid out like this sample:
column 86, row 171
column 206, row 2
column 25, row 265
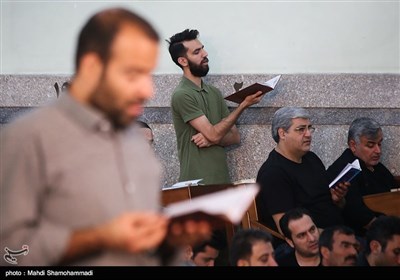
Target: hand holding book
column 347, row 174
column 241, row 94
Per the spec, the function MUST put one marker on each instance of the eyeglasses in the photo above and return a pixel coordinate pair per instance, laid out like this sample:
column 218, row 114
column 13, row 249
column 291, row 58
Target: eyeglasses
column 303, row 129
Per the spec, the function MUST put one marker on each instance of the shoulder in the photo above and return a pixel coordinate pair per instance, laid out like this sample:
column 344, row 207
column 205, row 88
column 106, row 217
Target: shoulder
column 212, row 88
column 345, row 158
column 273, row 166
column 30, row 122
column 381, row 168
column 181, row 97
column 313, row 157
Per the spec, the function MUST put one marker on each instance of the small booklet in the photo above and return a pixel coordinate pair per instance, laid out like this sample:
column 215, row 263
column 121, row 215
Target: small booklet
column 229, row 205
column 348, row 173
column 240, row 95
column 184, row 184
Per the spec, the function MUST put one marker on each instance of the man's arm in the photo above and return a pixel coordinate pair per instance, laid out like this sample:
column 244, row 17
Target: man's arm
column 231, row 138
column 215, row 133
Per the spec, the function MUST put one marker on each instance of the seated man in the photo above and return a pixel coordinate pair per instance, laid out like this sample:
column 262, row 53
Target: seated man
column 338, row 246
column 302, row 235
column 293, row 176
column 206, row 253
column 383, row 243
column 252, row 247
column 364, row 140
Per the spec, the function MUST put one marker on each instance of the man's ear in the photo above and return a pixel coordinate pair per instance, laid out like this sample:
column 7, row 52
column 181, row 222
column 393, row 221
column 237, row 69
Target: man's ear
column 290, row 242
column 375, row 247
column 183, row 61
column 324, row 252
column 281, row 133
column 352, row 145
column 91, row 66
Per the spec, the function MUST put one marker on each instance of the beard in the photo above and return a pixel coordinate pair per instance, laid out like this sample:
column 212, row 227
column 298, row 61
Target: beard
column 199, row 70
column 103, row 99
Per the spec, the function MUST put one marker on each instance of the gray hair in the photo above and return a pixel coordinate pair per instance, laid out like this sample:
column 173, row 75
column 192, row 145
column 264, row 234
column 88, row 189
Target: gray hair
column 363, row 127
column 283, row 119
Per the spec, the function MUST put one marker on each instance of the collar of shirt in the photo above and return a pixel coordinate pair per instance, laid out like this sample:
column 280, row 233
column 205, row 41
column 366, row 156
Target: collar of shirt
column 188, row 83
column 86, row 116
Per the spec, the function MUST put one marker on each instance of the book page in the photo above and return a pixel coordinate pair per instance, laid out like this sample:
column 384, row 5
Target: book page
column 230, row 204
column 272, row 83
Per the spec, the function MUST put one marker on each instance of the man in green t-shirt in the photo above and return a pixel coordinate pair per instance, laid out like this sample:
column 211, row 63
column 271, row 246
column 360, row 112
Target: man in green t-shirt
column 203, row 124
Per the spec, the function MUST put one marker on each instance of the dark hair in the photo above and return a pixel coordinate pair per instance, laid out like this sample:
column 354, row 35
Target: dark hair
column 99, row 32
column 176, row 48
column 216, row 242
column 243, row 241
column 292, row 214
column 326, row 237
column 382, row 230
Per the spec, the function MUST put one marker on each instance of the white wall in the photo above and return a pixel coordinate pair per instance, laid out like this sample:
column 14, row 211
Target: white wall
column 38, row 37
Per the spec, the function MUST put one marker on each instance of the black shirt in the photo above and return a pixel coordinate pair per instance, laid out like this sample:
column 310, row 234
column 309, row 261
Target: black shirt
column 355, row 213
column 286, row 184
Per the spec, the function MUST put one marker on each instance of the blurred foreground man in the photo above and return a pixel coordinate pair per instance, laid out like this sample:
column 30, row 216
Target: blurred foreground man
column 79, row 183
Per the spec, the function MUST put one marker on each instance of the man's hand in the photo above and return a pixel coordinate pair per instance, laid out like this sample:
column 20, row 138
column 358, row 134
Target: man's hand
column 338, row 192
column 201, row 141
column 252, row 99
column 135, row 232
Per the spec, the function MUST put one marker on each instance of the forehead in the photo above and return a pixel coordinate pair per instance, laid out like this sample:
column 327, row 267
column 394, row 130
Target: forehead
column 209, row 252
column 300, row 121
column 262, row 248
column 376, row 139
column 340, row 237
column 132, row 42
column 394, row 242
column 300, row 225
column 192, row 45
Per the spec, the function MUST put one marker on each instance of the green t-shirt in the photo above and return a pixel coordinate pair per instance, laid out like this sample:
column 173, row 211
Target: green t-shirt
column 190, row 102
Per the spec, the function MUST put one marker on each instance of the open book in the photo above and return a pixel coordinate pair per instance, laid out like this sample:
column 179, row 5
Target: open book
column 230, row 205
column 348, row 173
column 240, row 95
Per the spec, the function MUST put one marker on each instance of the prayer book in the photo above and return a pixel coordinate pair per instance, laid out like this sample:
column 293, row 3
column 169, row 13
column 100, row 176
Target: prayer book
column 241, row 94
column 348, row 173
column 228, row 205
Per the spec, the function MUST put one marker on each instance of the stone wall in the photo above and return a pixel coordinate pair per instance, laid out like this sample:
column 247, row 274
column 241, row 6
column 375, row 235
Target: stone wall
column 333, row 100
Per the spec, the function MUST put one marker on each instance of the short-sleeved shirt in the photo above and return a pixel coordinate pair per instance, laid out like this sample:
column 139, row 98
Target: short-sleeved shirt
column 355, row 213
column 286, row 184
column 190, row 102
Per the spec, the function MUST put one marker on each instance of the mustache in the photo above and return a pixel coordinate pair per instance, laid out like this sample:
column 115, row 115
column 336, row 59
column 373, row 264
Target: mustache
column 205, row 60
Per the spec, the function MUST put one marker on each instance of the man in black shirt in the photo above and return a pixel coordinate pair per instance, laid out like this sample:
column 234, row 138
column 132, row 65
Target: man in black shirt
column 293, row 176
column 365, row 137
column 383, row 243
column 302, row 235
